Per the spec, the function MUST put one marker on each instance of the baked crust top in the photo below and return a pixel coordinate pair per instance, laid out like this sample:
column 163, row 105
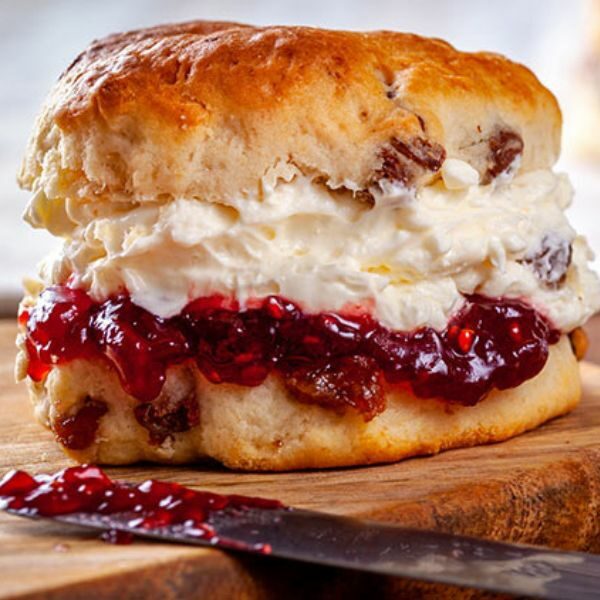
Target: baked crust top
column 207, row 109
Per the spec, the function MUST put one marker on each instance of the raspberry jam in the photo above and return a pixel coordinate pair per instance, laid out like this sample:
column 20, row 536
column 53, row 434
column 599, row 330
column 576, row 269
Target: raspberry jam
column 335, row 360
column 146, row 506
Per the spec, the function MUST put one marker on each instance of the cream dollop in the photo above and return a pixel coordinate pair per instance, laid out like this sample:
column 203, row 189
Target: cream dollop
column 410, row 259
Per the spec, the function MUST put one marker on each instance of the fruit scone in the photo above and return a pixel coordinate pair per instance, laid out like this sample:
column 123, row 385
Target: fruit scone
column 288, row 247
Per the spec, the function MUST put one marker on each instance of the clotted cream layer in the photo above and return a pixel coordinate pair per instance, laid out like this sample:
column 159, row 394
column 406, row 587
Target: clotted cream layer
column 408, row 259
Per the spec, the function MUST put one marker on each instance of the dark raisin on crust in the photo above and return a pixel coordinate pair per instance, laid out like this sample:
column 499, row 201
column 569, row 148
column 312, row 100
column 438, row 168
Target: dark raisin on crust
column 405, row 161
column 165, row 416
column 393, row 168
column 504, row 147
column 347, row 382
column 551, row 260
column 78, row 431
column 422, row 152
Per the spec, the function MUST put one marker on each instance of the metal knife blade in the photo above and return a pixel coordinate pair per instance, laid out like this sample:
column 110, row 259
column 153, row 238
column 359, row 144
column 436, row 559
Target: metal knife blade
column 337, row 541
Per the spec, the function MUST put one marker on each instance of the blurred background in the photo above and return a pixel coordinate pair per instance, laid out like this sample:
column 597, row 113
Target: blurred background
column 559, row 40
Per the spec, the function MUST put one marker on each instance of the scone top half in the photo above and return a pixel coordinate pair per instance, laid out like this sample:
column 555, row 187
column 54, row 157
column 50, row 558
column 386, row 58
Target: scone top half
column 206, row 110
column 382, row 178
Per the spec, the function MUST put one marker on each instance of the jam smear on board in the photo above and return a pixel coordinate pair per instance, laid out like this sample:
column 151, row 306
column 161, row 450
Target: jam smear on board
column 146, row 506
column 335, row 360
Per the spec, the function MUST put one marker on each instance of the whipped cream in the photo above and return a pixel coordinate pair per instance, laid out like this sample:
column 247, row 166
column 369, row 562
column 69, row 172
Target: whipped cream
column 408, row 259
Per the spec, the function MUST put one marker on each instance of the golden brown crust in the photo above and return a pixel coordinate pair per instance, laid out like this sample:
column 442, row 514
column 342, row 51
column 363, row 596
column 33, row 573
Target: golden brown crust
column 206, row 109
column 265, row 428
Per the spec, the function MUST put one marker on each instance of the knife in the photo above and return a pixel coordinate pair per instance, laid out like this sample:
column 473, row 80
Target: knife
column 349, row 543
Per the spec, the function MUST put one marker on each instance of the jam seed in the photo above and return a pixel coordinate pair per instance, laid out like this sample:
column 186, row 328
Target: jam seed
column 514, row 331
column 311, row 340
column 465, row 340
column 453, row 331
column 274, row 307
column 244, row 357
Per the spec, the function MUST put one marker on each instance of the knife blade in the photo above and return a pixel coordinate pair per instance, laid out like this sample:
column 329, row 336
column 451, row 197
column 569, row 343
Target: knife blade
column 350, row 543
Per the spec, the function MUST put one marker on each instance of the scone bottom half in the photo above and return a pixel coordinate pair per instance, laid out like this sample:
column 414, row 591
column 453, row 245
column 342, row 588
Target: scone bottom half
column 116, row 384
column 315, row 161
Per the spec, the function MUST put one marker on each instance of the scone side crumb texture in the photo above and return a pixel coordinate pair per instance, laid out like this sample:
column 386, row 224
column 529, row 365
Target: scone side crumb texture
column 205, row 109
column 264, row 428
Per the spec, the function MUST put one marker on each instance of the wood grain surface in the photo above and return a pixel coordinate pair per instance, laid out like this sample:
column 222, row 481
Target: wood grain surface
column 542, row 487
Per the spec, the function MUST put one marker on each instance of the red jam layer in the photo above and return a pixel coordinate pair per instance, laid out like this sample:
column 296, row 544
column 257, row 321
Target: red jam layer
column 334, row 360
column 149, row 505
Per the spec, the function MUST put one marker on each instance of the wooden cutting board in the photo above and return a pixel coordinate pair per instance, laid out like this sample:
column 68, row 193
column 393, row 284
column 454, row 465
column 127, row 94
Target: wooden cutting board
column 542, row 487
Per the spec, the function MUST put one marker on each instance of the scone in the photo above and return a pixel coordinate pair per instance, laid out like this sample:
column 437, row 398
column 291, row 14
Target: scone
column 288, row 248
